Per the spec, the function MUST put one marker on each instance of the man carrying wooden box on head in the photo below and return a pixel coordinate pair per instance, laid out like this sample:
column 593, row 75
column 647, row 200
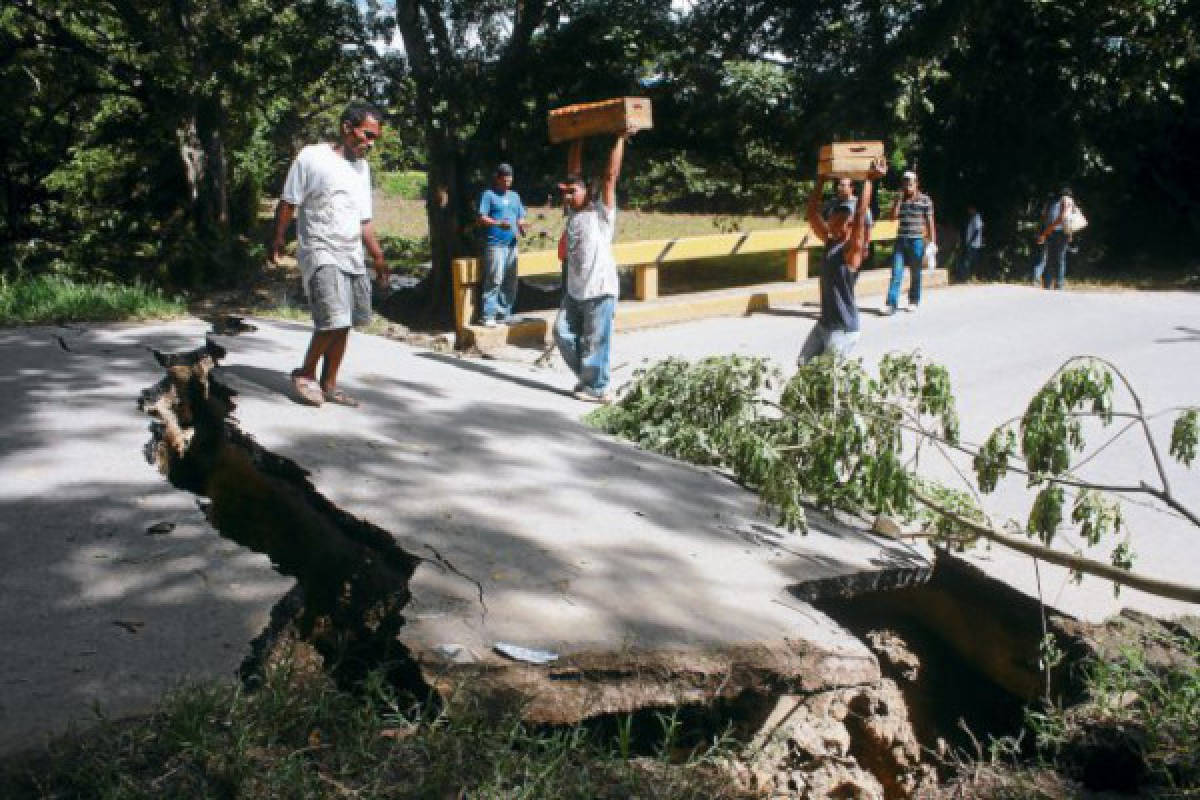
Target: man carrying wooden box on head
column 584, row 327
column 846, row 234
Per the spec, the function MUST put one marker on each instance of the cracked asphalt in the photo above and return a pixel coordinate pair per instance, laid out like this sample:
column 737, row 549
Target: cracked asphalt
column 115, row 588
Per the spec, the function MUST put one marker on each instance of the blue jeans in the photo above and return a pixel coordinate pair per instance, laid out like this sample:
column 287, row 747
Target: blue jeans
column 822, row 340
column 583, row 332
column 967, row 261
column 499, row 281
column 1055, row 260
column 908, row 250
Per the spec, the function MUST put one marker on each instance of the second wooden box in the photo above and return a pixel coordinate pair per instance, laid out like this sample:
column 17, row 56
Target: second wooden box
column 594, row 119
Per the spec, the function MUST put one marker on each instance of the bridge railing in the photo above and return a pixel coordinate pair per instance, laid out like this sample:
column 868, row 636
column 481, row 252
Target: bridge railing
column 648, row 257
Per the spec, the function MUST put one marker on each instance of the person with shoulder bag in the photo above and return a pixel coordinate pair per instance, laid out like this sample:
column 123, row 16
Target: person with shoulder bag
column 1064, row 221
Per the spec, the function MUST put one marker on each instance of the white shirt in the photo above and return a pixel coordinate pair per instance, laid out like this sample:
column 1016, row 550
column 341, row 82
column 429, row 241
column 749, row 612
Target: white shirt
column 1063, row 205
column 591, row 268
column 975, row 231
column 333, row 199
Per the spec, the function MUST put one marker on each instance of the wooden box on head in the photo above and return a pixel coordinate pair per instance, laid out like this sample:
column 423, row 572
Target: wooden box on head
column 595, row 119
column 848, row 159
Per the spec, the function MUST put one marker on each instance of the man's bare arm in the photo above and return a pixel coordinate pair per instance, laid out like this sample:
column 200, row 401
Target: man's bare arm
column 813, row 211
column 612, row 171
column 377, row 258
column 856, row 244
column 284, row 213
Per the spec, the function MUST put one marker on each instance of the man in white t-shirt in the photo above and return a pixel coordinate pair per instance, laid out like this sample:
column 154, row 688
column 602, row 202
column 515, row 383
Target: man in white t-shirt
column 328, row 191
column 583, row 328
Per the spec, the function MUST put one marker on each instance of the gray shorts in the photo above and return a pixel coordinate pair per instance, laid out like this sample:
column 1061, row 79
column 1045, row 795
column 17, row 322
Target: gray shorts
column 339, row 299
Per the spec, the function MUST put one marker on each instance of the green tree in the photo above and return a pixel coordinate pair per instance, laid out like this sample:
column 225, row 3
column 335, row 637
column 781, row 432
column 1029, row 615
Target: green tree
column 150, row 129
column 484, row 74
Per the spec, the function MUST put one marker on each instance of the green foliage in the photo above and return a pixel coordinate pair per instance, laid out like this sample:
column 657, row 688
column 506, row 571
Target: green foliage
column 153, row 129
column 1051, row 428
column 838, row 438
column 47, row 299
column 299, row 736
column 694, row 412
column 992, row 460
column 1184, row 435
column 1146, row 709
column 835, row 437
column 409, row 184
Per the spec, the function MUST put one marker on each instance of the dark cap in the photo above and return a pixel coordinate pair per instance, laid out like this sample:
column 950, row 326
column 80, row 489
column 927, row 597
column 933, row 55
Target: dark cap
column 504, row 169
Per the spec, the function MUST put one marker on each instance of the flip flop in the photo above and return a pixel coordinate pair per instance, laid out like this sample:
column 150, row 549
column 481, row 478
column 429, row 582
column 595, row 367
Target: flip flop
column 307, row 390
column 340, row 397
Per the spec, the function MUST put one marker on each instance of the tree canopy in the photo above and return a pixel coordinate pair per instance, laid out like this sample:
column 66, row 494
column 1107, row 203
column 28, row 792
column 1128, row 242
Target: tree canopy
column 144, row 135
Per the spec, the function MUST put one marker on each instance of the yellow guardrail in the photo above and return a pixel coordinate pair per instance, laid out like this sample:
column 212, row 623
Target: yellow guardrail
column 649, row 256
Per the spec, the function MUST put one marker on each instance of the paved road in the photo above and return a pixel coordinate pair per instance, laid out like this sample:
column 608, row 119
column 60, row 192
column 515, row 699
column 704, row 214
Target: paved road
column 98, row 604
column 1001, row 343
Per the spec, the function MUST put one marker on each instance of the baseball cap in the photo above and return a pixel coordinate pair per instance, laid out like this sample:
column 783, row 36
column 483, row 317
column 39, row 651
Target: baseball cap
column 909, row 175
column 504, row 169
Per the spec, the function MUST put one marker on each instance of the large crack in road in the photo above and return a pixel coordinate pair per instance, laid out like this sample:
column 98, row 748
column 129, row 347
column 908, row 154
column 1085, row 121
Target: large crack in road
column 352, row 578
column 353, row 584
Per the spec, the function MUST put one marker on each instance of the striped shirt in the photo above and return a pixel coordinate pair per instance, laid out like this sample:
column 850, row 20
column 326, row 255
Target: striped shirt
column 913, row 214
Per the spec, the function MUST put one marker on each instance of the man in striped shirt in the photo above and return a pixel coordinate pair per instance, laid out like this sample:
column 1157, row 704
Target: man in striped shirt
column 914, row 210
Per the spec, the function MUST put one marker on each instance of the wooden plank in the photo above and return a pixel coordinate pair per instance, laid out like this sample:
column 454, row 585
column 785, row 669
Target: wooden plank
column 466, row 286
column 466, row 270
column 594, row 119
column 539, row 262
column 665, row 251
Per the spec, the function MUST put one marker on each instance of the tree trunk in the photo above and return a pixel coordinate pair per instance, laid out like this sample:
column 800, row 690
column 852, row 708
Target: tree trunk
column 446, row 206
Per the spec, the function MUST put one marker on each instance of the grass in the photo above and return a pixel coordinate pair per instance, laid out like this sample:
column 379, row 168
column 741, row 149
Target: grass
column 399, row 216
column 43, row 299
column 410, row 184
column 1135, row 733
column 299, row 736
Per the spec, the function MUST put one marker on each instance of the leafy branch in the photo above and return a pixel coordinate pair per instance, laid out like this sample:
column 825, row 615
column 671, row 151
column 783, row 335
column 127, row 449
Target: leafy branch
column 839, row 438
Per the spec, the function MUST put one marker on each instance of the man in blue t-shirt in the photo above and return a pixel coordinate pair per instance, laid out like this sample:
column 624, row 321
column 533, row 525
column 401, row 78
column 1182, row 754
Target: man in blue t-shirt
column 501, row 212
column 846, row 233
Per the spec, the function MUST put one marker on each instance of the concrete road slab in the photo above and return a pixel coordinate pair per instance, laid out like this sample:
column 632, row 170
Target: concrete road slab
column 113, row 587
column 538, row 531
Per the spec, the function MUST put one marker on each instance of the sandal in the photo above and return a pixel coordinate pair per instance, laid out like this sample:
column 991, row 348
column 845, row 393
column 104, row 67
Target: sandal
column 340, row 397
column 307, row 390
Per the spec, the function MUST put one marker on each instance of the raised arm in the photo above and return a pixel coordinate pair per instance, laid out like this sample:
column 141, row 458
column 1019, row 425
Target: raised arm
column 612, row 171
column 813, row 212
column 860, row 232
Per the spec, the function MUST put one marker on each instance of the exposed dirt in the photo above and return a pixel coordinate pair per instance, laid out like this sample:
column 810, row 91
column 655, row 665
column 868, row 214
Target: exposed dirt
column 958, row 647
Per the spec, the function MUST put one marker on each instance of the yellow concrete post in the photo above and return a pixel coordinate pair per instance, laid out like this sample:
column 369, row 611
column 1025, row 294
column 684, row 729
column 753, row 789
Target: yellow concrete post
column 466, row 284
column 645, row 281
column 797, row 265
